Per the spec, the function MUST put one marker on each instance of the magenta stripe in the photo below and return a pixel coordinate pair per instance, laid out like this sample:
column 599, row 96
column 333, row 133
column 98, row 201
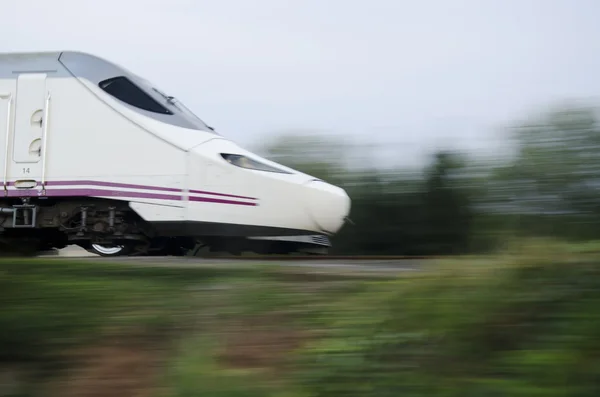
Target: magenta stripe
column 117, row 193
column 113, row 184
column 91, row 192
column 222, row 195
column 221, row 201
column 134, row 186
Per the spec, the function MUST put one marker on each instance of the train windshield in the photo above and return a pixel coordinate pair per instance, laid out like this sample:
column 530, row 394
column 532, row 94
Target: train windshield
column 175, row 105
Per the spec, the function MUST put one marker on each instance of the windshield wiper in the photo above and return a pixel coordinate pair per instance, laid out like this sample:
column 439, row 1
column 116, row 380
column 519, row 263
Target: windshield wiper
column 179, row 105
column 167, row 98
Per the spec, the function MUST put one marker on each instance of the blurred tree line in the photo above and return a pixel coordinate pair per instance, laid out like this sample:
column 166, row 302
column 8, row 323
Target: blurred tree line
column 548, row 187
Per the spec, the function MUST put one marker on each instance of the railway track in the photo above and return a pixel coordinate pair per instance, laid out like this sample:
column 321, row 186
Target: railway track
column 78, row 252
column 383, row 265
column 326, row 257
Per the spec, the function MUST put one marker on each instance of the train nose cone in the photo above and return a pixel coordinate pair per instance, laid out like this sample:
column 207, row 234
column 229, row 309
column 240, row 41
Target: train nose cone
column 328, row 205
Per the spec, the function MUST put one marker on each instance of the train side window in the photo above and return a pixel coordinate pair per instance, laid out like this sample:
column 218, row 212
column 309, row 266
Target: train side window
column 125, row 90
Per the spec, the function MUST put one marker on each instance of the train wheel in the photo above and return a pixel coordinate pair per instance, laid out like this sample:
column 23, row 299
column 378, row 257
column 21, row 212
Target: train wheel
column 108, row 250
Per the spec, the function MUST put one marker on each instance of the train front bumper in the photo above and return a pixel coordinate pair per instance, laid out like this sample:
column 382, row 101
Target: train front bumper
column 328, row 205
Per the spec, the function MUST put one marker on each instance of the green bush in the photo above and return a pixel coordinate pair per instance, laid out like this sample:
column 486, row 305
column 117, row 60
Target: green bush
column 46, row 308
column 523, row 329
column 38, row 315
column 194, row 373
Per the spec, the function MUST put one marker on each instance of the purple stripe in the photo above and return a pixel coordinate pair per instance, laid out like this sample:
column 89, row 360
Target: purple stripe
column 117, row 193
column 113, row 184
column 23, row 193
column 222, row 195
column 221, row 201
column 134, row 186
column 91, row 192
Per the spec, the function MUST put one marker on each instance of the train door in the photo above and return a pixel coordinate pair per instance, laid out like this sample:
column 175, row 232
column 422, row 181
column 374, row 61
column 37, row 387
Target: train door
column 6, row 109
column 30, row 132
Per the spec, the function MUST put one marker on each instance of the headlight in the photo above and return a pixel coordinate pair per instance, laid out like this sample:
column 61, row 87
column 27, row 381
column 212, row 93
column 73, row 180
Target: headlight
column 246, row 162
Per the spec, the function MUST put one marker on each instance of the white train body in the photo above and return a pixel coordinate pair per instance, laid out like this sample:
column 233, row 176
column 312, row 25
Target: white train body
column 80, row 135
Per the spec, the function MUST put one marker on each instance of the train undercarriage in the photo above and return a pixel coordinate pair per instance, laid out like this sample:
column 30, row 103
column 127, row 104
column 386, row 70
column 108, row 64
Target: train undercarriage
column 105, row 227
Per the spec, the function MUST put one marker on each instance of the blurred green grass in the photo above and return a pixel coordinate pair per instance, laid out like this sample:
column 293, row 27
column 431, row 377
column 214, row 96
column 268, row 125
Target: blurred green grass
column 522, row 324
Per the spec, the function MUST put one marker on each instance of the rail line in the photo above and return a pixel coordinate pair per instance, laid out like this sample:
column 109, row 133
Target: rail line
column 325, row 257
column 73, row 251
column 314, row 265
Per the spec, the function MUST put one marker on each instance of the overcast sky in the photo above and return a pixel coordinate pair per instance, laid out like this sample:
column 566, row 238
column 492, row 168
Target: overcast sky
column 409, row 73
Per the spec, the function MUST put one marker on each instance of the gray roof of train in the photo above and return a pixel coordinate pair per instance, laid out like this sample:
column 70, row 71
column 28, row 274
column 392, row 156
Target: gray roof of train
column 46, row 60
column 92, row 68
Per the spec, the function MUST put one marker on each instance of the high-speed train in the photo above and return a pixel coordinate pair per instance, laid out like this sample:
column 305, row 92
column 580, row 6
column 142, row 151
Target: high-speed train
column 94, row 155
